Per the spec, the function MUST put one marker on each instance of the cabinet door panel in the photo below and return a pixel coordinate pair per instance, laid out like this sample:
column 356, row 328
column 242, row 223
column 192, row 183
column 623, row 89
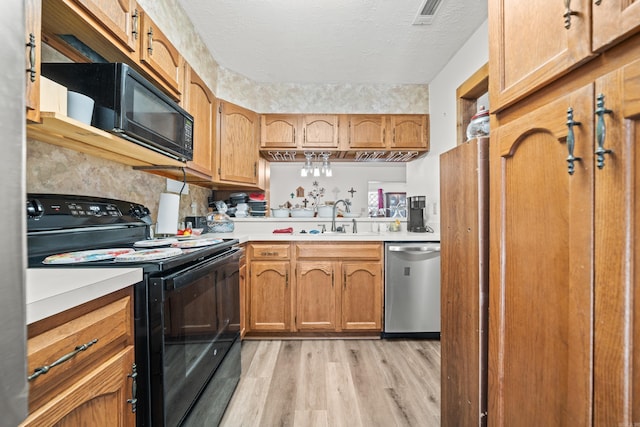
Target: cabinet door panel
column 410, row 132
column 270, row 296
column 540, row 326
column 320, row 131
column 98, row 399
column 361, row 295
column 161, row 58
column 367, row 132
column 201, row 104
column 238, row 159
column 33, row 12
column 279, row 131
column 315, row 288
column 617, row 287
column 614, row 20
column 523, row 57
column 119, row 18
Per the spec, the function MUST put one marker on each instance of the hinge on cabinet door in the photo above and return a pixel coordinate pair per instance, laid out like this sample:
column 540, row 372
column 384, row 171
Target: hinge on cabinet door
column 286, row 279
column 332, row 279
column 294, row 135
column 134, row 387
column 219, row 171
column 220, row 108
column 255, row 169
column 344, row 279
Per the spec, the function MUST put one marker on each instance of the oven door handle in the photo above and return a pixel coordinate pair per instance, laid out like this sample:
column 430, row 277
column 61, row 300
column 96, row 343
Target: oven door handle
column 185, row 277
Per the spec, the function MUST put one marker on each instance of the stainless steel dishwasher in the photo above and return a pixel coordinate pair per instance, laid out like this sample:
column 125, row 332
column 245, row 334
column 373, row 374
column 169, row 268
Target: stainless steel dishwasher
column 412, row 290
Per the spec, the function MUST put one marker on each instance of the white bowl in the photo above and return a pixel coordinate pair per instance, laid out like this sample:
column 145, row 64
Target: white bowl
column 280, row 212
column 302, row 213
column 325, row 211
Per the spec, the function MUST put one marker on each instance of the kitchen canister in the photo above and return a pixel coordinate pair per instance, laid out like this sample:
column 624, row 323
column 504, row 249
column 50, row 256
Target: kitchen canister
column 168, row 212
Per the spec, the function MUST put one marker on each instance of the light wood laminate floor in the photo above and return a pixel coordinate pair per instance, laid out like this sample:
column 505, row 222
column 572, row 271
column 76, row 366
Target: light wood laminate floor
column 337, row 383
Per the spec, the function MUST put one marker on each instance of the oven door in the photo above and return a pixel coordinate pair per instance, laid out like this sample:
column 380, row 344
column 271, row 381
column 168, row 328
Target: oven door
column 192, row 327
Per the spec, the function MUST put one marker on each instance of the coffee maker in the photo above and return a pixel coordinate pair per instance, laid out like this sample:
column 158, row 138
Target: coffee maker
column 417, row 214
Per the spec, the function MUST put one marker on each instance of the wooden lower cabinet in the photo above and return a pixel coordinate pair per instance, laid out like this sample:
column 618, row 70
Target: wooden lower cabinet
column 336, row 287
column 563, row 324
column 95, row 386
column 316, row 295
column 98, row 399
column 270, row 296
column 362, row 288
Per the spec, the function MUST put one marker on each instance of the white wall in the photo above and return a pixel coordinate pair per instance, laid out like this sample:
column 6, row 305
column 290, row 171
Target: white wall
column 285, row 178
column 423, row 175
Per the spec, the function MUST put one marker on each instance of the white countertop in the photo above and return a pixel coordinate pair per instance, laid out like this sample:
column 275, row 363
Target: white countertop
column 53, row 290
column 400, row 236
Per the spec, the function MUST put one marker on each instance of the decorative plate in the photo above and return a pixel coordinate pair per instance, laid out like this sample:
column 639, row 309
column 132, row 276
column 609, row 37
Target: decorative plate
column 86, row 256
column 149, row 255
column 196, row 243
column 154, row 243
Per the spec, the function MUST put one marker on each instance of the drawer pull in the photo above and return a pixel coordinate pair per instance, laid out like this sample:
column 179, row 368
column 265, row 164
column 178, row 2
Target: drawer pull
column 568, row 13
column 134, row 388
column 571, row 140
column 32, row 57
column 44, row 369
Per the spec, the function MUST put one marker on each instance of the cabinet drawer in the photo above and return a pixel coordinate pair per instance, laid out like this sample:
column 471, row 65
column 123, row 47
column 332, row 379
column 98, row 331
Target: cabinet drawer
column 369, row 251
column 97, row 334
column 269, row 251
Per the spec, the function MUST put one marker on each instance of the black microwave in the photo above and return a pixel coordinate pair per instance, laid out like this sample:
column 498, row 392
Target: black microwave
column 127, row 104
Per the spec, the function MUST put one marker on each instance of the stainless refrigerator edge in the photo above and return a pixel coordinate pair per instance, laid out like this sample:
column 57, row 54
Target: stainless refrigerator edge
column 13, row 388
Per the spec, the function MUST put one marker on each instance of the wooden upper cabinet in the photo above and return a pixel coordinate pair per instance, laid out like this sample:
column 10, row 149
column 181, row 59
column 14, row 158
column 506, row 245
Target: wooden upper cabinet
column 33, row 13
column 237, row 158
column 118, row 18
column 279, row 130
column 367, row 131
column 531, row 44
column 614, row 20
column 409, row 131
column 320, row 131
column 201, row 104
column 161, row 58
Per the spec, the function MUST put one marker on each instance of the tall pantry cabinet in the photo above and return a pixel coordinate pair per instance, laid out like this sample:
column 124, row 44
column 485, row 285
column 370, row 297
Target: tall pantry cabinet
column 564, row 328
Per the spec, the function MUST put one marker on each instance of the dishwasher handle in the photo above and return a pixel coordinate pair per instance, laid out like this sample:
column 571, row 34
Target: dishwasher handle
column 412, row 249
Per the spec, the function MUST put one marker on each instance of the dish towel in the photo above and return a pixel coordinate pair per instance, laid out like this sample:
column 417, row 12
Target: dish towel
column 284, row 230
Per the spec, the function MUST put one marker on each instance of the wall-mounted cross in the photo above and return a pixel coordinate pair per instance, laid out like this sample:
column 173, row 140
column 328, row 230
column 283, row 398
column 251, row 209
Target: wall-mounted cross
column 352, row 191
column 305, row 202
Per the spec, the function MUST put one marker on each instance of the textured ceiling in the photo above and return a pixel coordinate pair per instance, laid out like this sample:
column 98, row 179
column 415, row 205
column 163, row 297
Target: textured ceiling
column 333, row 41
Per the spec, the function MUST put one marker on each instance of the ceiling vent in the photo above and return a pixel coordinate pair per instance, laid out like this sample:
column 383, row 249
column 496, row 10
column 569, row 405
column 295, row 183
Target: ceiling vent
column 426, row 12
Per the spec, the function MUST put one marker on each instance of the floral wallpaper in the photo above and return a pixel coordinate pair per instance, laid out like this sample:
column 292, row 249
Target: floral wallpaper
column 281, row 98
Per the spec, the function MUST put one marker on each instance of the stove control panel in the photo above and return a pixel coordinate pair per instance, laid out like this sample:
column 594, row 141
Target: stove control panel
column 58, row 212
column 93, row 209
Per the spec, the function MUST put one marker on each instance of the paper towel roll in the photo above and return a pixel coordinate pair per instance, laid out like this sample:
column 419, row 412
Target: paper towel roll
column 168, row 212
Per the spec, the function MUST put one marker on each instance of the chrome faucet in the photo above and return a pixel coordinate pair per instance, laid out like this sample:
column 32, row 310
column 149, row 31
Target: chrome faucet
column 335, row 208
column 354, row 229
